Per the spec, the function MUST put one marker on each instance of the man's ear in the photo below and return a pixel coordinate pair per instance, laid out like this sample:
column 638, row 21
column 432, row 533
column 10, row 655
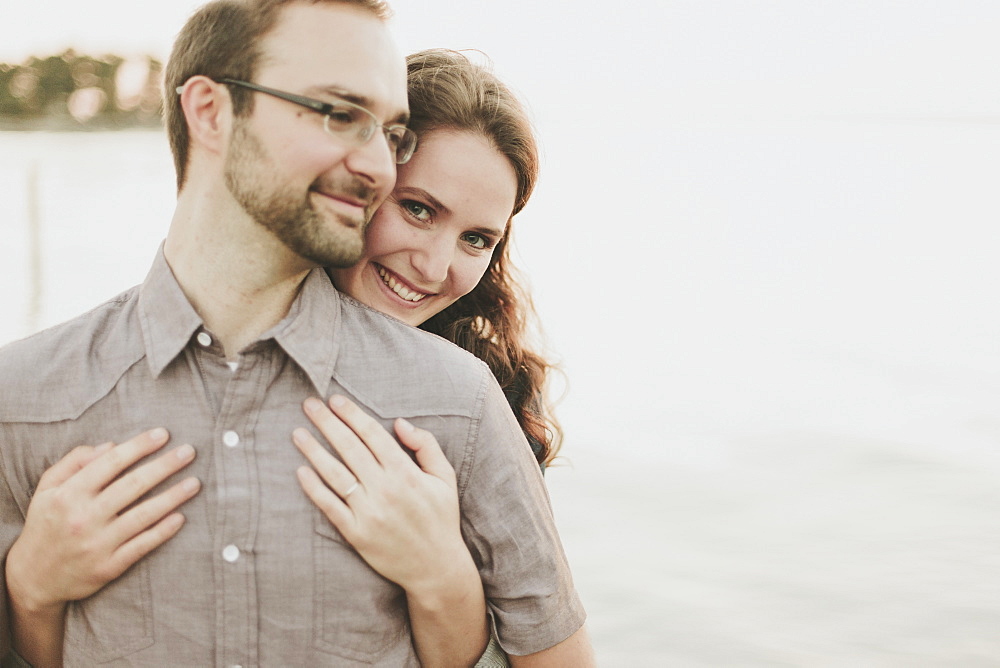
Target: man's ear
column 208, row 111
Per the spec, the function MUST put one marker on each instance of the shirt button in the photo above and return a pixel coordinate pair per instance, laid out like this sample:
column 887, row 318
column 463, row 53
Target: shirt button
column 231, row 553
column 231, row 439
column 204, row 339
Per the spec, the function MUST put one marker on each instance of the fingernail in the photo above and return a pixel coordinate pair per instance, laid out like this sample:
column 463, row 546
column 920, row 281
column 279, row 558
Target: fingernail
column 191, row 485
column 337, row 400
column 158, row 434
column 298, row 435
column 404, row 424
column 184, row 452
column 313, row 404
column 104, row 447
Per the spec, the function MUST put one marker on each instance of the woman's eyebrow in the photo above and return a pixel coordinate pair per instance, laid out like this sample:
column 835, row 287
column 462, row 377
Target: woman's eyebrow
column 423, row 194
column 489, row 231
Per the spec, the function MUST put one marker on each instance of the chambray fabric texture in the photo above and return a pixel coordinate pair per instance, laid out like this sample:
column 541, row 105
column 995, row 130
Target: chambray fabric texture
column 258, row 576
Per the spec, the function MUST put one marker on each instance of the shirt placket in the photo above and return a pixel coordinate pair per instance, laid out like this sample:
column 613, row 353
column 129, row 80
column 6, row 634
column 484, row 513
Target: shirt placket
column 237, row 607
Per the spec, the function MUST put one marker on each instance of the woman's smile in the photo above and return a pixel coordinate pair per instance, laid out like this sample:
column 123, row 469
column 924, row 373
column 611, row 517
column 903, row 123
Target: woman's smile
column 431, row 242
column 396, row 283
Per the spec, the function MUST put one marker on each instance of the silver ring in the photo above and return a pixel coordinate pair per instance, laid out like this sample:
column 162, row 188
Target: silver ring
column 353, row 489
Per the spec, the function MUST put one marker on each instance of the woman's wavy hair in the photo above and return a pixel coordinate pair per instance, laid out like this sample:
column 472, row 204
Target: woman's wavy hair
column 447, row 91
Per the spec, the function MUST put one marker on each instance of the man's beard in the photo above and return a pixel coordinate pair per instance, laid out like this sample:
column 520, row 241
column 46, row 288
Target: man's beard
column 251, row 178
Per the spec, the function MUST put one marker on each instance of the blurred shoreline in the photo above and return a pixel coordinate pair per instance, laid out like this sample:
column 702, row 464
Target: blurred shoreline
column 69, row 124
column 74, row 91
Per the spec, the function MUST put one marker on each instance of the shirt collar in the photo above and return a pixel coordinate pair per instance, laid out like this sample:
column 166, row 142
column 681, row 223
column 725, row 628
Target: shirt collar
column 167, row 319
column 308, row 334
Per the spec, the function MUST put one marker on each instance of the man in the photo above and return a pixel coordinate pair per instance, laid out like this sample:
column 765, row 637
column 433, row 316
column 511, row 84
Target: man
column 233, row 328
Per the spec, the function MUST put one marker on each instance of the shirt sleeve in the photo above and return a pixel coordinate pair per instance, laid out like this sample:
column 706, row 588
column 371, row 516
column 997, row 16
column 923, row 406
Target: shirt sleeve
column 11, row 522
column 508, row 525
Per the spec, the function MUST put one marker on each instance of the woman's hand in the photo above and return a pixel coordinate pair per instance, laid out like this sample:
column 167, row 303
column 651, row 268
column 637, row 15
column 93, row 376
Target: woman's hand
column 402, row 518
column 82, row 531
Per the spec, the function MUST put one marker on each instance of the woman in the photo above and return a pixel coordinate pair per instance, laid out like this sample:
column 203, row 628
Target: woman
column 437, row 256
column 457, row 109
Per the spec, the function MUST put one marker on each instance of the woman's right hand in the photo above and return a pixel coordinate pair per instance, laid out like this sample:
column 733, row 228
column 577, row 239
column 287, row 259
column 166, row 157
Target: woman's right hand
column 82, row 530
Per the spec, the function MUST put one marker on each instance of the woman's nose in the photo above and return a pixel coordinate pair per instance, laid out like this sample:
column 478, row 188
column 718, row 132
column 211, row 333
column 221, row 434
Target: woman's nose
column 433, row 259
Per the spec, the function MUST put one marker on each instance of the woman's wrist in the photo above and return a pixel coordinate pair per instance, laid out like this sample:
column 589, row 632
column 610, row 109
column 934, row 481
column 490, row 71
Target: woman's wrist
column 449, row 584
column 25, row 597
column 36, row 623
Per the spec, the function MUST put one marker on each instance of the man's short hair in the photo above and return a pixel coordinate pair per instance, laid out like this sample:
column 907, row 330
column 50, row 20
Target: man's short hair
column 222, row 40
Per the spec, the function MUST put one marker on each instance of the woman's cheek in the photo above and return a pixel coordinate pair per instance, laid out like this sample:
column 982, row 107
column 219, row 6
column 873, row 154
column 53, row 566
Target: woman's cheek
column 474, row 274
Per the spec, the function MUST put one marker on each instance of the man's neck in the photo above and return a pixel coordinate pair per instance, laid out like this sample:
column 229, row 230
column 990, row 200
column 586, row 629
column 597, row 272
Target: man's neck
column 238, row 277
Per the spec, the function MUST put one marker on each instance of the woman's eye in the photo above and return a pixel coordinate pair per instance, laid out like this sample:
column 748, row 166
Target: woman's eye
column 416, row 209
column 477, row 240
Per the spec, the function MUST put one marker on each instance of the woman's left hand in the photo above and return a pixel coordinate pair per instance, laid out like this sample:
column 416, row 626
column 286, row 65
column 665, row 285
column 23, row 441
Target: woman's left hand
column 402, row 518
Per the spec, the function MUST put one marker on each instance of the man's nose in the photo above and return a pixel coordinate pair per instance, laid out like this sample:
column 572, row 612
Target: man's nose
column 374, row 162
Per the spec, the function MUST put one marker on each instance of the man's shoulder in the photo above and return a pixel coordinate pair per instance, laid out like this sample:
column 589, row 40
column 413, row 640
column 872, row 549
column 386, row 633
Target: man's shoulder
column 59, row 368
column 390, row 361
column 401, row 341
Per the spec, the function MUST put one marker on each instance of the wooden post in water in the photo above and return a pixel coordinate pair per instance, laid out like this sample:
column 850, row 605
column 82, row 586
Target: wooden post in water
column 34, row 251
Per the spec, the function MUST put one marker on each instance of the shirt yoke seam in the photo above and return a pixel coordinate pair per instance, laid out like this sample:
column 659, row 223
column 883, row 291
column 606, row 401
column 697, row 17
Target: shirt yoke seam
column 472, row 441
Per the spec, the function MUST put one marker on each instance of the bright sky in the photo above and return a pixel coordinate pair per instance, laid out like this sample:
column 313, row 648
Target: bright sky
column 864, row 56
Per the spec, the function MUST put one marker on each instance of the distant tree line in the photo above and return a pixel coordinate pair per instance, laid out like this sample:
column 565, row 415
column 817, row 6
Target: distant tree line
column 71, row 91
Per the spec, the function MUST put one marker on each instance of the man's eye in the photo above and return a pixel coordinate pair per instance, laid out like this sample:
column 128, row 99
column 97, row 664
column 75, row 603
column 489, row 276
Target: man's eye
column 394, row 136
column 341, row 117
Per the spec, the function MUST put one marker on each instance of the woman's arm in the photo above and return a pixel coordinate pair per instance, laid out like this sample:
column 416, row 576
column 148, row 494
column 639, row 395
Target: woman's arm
column 81, row 533
column 403, row 519
column 574, row 652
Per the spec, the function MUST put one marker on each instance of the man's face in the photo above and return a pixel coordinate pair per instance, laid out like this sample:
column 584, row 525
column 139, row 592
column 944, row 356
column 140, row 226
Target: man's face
column 313, row 191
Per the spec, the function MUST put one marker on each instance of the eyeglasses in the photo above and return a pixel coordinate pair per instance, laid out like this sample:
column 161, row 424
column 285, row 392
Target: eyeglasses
column 344, row 119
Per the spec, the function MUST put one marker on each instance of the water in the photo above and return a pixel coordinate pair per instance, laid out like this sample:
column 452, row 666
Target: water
column 781, row 345
column 105, row 201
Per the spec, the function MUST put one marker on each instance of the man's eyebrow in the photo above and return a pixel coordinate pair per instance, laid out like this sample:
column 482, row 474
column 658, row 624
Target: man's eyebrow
column 344, row 94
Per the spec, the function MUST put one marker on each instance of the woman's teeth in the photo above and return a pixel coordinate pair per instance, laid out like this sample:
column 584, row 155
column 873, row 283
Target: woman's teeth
column 398, row 288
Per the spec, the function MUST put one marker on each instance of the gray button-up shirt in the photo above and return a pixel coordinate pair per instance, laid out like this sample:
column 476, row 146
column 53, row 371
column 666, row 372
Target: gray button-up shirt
column 258, row 576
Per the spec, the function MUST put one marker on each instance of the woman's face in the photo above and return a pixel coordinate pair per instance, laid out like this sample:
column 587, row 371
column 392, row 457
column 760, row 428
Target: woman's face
column 432, row 239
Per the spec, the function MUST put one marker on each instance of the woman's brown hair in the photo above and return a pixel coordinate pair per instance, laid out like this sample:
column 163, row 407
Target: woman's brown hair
column 447, row 91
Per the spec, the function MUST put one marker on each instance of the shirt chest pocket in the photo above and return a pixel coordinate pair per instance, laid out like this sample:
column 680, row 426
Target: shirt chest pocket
column 357, row 613
column 114, row 622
